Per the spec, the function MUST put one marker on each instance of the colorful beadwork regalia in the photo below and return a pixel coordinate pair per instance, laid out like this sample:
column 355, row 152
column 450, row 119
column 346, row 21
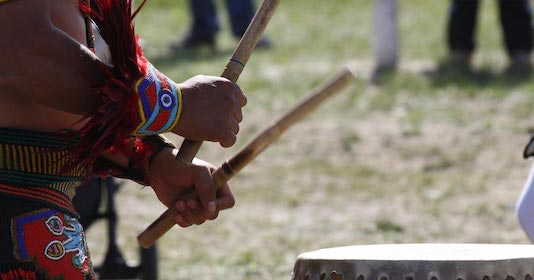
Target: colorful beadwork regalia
column 40, row 236
column 137, row 101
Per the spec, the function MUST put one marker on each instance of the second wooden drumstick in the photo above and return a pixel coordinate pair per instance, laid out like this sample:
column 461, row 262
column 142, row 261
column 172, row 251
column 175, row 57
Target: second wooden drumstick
column 259, row 143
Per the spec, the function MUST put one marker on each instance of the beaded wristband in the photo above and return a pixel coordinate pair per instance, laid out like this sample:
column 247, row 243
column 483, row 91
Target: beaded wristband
column 160, row 103
column 157, row 143
column 139, row 160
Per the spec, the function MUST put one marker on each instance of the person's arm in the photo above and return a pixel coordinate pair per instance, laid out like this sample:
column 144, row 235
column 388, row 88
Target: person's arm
column 169, row 179
column 42, row 63
column 47, row 66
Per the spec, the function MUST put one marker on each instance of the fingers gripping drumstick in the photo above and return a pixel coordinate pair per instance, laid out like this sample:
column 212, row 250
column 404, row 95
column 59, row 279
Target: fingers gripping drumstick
column 252, row 149
column 235, row 66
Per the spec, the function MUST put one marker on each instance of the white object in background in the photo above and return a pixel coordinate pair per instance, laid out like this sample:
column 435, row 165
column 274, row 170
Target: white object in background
column 385, row 34
column 101, row 48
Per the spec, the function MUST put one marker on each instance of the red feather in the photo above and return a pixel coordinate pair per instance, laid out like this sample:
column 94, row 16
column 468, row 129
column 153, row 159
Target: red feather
column 112, row 122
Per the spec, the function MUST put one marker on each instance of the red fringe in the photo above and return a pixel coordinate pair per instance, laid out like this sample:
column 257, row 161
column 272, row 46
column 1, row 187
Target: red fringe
column 111, row 124
column 18, row 274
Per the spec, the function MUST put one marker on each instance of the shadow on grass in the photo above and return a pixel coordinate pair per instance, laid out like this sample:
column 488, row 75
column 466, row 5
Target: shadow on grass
column 484, row 77
column 445, row 75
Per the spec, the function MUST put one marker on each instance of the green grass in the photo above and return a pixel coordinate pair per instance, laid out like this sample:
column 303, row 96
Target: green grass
column 419, row 158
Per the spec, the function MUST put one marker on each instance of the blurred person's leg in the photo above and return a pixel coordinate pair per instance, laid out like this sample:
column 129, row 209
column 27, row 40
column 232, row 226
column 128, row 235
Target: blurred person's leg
column 516, row 22
column 204, row 25
column 205, row 20
column 241, row 13
column 461, row 29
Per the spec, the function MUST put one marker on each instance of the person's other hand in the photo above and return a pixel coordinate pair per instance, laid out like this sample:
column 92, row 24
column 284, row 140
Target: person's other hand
column 211, row 110
column 170, row 179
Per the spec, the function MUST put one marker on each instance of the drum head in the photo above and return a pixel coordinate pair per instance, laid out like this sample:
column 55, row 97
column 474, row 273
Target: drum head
column 418, row 261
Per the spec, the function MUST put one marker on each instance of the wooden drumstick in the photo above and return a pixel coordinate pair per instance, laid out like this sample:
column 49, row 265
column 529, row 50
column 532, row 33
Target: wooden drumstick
column 235, row 65
column 259, row 143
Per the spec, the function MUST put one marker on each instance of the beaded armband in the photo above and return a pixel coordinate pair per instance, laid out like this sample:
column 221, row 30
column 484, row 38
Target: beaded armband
column 160, row 103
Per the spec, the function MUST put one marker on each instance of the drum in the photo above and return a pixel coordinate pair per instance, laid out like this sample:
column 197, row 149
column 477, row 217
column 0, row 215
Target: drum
column 418, row 262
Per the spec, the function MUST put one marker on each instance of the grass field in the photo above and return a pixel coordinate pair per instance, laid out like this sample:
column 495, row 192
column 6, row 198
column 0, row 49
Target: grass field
column 419, row 158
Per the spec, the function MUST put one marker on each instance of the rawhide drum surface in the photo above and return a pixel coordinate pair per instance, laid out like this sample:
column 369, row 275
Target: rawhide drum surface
column 418, row 262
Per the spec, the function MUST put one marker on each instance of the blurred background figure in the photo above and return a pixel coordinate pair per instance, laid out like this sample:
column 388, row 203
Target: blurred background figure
column 525, row 207
column 205, row 23
column 515, row 20
column 385, row 36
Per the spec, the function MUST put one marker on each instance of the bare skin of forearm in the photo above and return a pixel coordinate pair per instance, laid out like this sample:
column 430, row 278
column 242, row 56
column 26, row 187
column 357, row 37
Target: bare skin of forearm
column 48, row 62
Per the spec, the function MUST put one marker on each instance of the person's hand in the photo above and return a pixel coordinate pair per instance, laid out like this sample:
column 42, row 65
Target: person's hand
column 169, row 179
column 211, row 110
